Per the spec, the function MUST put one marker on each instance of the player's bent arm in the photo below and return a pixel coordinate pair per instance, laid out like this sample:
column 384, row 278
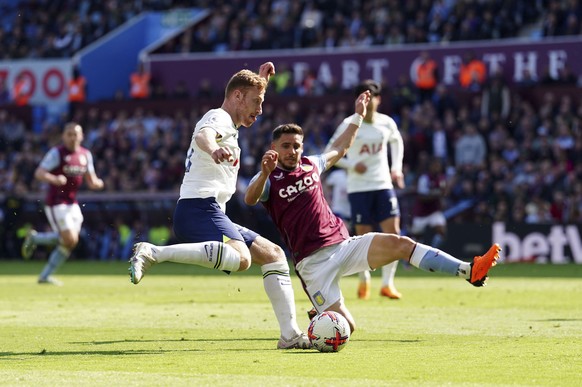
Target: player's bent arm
column 45, row 176
column 255, row 189
column 340, row 146
column 94, row 182
column 206, row 140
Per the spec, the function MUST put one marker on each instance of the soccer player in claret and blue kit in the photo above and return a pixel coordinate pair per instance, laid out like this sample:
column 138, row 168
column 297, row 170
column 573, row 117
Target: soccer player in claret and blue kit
column 289, row 187
column 63, row 168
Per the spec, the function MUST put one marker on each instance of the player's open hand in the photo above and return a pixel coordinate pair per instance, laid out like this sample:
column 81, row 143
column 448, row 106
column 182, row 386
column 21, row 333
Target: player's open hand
column 266, row 70
column 362, row 103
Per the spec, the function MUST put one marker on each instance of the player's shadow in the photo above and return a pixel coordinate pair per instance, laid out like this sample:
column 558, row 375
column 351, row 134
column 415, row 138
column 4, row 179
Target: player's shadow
column 19, row 355
column 167, row 341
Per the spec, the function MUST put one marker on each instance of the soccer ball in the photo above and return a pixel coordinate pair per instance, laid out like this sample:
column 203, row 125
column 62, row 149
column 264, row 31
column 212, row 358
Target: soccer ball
column 329, row 332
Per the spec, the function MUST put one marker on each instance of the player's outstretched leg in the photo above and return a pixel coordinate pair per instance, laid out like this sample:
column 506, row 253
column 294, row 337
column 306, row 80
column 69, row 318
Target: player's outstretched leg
column 140, row 261
column 481, row 265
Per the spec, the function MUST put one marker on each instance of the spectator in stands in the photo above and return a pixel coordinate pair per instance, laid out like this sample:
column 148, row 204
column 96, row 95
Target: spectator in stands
column 473, row 72
column 77, row 92
column 496, row 99
column 427, row 76
column 139, row 83
column 21, row 90
column 470, row 148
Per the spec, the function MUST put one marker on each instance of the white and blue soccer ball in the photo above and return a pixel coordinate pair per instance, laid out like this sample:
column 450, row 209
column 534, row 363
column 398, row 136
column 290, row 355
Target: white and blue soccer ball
column 329, row 332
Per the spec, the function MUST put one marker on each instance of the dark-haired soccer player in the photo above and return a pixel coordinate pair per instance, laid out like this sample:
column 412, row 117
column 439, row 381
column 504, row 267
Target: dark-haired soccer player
column 289, row 186
column 64, row 167
column 371, row 180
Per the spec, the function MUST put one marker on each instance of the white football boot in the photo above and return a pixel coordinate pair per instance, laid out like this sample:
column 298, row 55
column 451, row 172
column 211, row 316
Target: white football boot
column 141, row 260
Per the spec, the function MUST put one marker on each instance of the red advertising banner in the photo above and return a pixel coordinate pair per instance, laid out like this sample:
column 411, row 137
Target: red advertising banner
column 45, row 80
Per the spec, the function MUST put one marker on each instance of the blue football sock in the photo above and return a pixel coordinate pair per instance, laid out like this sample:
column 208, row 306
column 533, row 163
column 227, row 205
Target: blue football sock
column 58, row 256
column 430, row 259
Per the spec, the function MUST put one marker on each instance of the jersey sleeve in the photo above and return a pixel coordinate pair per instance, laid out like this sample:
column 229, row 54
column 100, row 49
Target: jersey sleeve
column 320, row 162
column 265, row 194
column 90, row 164
column 396, row 146
column 51, row 160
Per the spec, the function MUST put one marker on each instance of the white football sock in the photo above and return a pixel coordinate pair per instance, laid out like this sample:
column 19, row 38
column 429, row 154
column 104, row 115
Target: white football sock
column 388, row 273
column 279, row 289
column 213, row 255
column 364, row 276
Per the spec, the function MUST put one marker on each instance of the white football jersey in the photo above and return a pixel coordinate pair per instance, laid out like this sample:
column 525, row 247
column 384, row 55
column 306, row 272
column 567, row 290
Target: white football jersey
column 203, row 177
column 369, row 147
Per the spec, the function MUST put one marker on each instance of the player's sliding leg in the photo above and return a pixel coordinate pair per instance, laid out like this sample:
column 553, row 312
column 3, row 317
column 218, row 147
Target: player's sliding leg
column 364, row 286
column 388, row 247
column 430, row 259
column 212, row 254
column 388, row 288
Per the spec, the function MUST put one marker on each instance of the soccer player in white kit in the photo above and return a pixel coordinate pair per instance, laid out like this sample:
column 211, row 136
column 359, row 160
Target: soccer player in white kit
column 208, row 237
column 370, row 185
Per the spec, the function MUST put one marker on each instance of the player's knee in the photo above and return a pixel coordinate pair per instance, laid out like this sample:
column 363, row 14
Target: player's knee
column 69, row 241
column 245, row 263
column 265, row 251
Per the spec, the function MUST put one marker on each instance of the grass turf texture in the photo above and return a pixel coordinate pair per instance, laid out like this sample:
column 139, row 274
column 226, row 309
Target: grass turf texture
column 189, row 326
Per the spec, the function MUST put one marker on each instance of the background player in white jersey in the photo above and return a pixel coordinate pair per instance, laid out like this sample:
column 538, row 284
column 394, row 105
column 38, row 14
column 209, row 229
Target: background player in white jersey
column 63, row 167
column 289, row 186
column 208, row 237
column 371, row 192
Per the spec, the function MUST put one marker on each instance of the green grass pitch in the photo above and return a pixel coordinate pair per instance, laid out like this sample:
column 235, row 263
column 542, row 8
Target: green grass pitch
column 186, row 326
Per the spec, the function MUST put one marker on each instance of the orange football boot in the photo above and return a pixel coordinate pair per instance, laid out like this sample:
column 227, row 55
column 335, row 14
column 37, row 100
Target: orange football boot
column 390, row 292
column 481, row 265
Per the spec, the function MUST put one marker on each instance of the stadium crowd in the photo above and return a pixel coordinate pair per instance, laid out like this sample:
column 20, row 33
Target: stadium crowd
column 507, row 157
column 60, row 28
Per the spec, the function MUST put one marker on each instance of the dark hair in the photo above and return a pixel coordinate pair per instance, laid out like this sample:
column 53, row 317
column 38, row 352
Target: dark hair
column 286, row 129
column 368, row 84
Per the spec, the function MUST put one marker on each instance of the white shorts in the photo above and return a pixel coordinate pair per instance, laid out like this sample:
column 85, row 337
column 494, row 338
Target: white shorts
column 64, row 217
column 419, row 224
column 322, row 270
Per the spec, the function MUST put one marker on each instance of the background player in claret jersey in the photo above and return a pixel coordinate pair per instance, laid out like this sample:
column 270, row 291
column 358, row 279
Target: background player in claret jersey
column 289, row 186
column 370, row 185
column 208, row 237
column 64, row 167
